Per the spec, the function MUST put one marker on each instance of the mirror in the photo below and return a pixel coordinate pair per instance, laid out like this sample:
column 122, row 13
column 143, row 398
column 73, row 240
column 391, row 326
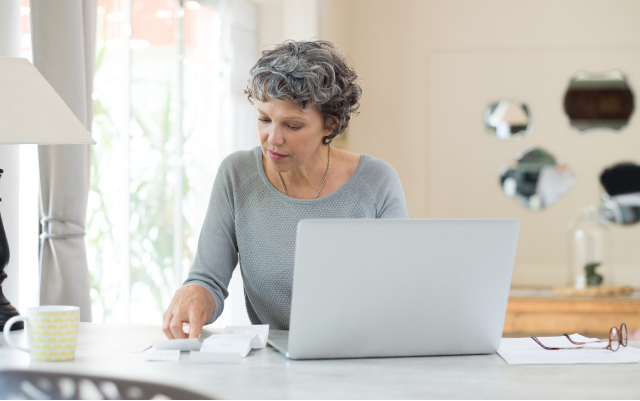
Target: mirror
column 508, row 119
column 599, row 100
column 536, row 179
column 620, row 201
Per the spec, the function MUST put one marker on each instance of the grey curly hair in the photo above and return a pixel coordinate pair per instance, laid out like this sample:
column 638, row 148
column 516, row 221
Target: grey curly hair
column 314, row 73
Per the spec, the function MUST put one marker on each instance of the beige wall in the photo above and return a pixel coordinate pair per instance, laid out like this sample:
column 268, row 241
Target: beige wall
column 280, row 20
column 430, row 68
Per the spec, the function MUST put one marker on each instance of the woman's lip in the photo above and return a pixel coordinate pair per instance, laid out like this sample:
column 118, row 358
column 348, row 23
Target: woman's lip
column 275, row 156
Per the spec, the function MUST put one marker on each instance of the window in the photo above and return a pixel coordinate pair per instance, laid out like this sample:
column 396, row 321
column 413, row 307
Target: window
column 168, row 107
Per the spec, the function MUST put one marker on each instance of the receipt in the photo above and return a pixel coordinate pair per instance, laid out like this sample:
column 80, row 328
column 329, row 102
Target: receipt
column 260, row 331
column 233, row 344
column 239, row 344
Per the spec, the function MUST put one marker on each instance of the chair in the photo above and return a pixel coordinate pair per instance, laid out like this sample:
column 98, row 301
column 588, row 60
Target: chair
column 28, row 384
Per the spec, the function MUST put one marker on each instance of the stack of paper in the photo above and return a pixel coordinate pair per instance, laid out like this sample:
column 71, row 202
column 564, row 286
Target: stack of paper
column 233, row 344
column 525, row 351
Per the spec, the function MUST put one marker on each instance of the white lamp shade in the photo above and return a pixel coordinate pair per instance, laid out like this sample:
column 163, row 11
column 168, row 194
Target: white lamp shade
column 31, row 111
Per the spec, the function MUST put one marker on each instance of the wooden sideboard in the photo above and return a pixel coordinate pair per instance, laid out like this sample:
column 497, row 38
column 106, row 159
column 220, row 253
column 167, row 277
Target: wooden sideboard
column 539, row 311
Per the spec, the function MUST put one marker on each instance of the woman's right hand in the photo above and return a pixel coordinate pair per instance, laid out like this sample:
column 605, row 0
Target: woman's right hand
column 192, row 304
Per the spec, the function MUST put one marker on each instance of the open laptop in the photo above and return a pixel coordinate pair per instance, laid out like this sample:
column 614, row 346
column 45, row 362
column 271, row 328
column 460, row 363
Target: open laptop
column 388, row 288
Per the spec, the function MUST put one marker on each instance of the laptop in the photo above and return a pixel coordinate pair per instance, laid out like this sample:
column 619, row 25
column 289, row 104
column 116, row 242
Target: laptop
column 397, row 288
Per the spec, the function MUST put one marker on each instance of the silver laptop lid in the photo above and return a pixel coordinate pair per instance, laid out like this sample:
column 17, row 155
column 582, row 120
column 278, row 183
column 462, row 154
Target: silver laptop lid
column 381, row 288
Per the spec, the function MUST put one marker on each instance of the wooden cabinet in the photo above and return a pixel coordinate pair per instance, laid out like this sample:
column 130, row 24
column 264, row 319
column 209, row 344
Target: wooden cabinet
column 540, row 312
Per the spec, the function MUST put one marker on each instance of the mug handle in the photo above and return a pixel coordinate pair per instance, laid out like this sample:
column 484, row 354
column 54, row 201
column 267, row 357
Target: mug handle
column 7, row 336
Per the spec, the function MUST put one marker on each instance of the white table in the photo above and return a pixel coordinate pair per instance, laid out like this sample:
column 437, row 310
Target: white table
column 267, row 374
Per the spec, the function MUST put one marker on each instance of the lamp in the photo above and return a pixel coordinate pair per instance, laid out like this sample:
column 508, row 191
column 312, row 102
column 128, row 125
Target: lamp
column 31, row 112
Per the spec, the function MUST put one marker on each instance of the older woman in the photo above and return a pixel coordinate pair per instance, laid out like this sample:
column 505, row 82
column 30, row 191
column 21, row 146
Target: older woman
column 305, row 94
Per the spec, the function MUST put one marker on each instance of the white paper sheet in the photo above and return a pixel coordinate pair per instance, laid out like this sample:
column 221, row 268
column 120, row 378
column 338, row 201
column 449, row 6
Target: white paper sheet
column 182, row 344
column 261, row 331
column 239, row 344
column 214, row 357
column 132, row 348
column 525, row 351
column 154, row 354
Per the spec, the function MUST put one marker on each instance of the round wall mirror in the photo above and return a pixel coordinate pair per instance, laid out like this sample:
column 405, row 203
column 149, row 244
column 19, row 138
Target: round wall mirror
column 620, row 201
column 599, row 100
column 536, row 179
column 507, row 119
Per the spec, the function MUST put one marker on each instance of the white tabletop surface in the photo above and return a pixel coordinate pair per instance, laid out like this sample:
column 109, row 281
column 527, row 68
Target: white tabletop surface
column 267, row 374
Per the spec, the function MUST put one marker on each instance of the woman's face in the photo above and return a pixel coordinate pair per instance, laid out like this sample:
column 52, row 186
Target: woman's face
column 290, row 137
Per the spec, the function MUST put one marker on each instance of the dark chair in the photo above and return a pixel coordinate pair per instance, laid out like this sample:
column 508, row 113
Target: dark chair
column 34, row 385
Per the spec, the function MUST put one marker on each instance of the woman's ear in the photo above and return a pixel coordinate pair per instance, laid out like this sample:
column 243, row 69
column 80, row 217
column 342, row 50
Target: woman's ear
column 331, row 123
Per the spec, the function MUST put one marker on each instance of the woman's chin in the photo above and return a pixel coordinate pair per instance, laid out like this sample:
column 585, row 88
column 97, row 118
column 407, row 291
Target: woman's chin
column 279, row 166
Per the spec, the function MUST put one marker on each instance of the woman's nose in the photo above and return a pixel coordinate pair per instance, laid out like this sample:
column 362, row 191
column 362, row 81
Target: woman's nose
column 275, row 136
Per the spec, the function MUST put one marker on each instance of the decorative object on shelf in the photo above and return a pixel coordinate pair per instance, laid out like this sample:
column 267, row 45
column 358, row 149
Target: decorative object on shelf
column 590, row 251
column 620, row 200
column 30, row 112
column 536, row 180
column 508, row 119
column 599, row 100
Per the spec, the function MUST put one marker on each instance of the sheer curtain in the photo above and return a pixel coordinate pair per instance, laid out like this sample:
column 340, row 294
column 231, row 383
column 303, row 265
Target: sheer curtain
column 63, row 38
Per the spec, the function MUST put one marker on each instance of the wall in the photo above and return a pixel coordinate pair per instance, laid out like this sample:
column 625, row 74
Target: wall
column 431, row 66
column 280, row 20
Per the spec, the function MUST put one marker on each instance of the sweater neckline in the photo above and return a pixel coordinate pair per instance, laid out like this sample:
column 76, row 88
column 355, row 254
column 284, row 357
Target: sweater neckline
column 258, row 152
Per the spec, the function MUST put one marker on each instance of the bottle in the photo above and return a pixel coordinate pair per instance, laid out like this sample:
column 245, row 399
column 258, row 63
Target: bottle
column 590, row 250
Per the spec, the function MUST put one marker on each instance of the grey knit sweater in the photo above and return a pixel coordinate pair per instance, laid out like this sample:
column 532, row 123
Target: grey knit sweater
column 250, row 221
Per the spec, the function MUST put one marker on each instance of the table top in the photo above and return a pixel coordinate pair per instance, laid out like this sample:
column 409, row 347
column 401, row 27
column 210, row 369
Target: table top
column 267, row 374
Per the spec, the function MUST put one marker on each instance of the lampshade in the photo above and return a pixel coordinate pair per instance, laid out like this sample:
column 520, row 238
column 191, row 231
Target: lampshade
column 31, row 111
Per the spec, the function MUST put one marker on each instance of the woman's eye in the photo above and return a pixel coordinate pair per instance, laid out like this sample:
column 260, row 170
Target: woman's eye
column 263, row 120
column 294, row 128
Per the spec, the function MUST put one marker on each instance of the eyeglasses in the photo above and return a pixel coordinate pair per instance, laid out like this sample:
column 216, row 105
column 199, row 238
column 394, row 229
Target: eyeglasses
column 617, row 337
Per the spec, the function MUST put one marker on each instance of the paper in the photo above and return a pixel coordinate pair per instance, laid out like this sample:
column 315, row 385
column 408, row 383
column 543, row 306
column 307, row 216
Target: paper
column 261, row 331
column 214, row 357
column 131, row 348
column 182, row 344
column 239, row 344
column 154, row 354
column 525, row 351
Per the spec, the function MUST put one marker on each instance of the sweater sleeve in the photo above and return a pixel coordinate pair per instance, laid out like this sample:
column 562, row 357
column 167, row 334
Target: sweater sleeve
column 217, row 253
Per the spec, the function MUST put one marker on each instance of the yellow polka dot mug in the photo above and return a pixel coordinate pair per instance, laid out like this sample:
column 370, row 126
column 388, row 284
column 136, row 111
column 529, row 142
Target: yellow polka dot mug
column 52, row 332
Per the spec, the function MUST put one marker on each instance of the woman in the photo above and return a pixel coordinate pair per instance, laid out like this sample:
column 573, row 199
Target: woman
column 305, row 94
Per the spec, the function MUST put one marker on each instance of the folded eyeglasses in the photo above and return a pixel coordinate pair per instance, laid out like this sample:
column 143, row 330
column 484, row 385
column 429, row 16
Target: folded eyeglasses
column 617, row 337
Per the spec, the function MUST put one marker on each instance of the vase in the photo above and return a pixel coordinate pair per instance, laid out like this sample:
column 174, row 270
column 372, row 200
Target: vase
column 590, row 250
